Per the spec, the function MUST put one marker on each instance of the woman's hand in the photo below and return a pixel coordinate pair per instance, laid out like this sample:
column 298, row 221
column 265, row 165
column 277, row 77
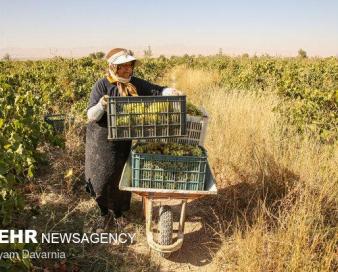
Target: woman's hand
column 171, row 91
column 104, row 101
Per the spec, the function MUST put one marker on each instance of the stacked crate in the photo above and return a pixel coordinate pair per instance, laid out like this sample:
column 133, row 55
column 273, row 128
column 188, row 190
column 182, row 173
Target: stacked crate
column 160, row 119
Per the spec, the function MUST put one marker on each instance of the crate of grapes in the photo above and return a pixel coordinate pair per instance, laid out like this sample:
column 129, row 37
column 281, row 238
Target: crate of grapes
column 197, row 122
column 146, row 117
column 168, row 166
column 58, row 121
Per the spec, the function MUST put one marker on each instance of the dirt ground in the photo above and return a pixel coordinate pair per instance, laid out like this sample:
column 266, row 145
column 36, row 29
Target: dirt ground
column 57, row 202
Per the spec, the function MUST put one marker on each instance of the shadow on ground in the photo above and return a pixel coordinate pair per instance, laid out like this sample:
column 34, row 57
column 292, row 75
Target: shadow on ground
column 208, row 221
column 234, row 207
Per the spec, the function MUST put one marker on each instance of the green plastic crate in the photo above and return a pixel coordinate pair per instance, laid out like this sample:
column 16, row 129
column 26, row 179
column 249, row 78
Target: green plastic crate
column 168, row 172
column 58, row 121
column 145, row 117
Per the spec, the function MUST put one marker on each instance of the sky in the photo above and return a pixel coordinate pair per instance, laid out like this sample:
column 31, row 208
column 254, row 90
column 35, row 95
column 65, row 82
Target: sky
column 43, row 28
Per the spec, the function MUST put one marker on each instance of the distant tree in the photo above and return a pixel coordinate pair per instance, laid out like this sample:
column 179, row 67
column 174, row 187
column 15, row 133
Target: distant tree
column 6, row 57
column 245, row 55
column 266, row 55
column 148, row 52
column 99, row 55
column 220, row 52
column 302, row 54
column 162, row 57
column 188, row 60
column 96, row 55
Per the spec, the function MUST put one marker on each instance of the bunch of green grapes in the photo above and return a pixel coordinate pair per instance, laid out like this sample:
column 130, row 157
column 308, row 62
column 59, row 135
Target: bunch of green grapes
column 122, row 120
column 151, row 148
column 193, row 110
column 142, row 113
column 169, row 171
column 134, row 108
column 173, row 149
column 157, row 107
column 129, row 118
column 152, row 112
column 154, row 172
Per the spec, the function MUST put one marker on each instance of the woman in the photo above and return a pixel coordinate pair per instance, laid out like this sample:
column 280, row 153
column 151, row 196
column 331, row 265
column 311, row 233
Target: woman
column 105, row 159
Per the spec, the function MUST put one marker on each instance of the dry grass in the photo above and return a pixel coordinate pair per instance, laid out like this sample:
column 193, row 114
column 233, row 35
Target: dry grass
column 277, row 209
column 192, row 81
column 277, row 205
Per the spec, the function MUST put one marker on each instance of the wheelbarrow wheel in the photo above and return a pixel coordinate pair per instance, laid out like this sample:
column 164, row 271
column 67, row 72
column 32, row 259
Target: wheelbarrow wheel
column 165, row 228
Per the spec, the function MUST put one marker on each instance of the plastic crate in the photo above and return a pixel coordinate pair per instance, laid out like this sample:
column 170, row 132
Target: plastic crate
column 58, row 121
column 196, row 131
column 145, row 117
column 168, row 172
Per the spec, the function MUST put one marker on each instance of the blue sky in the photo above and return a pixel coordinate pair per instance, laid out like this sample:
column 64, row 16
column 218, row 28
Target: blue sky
column 273, row 27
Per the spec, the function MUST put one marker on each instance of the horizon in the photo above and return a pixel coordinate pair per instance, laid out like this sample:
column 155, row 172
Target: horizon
column 50, row 53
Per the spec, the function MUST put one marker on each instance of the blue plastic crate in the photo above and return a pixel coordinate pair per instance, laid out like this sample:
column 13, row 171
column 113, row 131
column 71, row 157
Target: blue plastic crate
column 168, row 172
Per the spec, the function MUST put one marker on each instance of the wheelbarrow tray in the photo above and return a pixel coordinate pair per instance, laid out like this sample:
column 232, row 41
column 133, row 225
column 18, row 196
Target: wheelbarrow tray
column 149, row 195
column 126, row 178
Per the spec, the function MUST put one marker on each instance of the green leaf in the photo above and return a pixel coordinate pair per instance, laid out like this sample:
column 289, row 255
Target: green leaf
column 30, row 172
column 19, row 150
column 3, row 168
column 7, row 146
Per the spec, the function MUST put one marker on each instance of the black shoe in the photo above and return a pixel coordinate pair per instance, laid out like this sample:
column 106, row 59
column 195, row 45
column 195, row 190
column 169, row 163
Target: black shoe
column 121, row 221
column 102, row 223
column 89, row 188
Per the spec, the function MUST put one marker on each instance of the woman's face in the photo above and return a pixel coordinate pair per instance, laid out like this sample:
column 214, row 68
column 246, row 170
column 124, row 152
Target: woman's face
column 125, row 70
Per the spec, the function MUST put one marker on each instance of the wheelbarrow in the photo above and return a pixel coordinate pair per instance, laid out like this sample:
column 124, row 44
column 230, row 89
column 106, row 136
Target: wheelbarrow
column 150, row 196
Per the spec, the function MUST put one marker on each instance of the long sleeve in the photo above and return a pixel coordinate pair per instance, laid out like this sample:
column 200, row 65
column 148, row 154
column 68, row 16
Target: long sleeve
column 95, row 112
column 95, row 109
column 145, row 87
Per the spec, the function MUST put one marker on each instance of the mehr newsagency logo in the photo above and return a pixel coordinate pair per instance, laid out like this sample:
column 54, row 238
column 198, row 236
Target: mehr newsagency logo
column 32, row 237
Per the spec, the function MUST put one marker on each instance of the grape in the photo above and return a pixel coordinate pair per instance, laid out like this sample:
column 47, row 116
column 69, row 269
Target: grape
column 173, row 149
column 193, row 110
column 146, row 113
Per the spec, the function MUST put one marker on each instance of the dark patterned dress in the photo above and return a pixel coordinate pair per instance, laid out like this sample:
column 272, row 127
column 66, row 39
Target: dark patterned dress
column 104, row 160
